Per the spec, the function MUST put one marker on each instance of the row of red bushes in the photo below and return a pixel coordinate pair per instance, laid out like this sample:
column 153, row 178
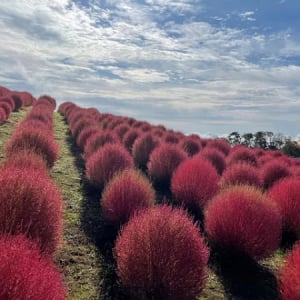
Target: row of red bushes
column 240, row 191
column 12, row 101
column 30, row 209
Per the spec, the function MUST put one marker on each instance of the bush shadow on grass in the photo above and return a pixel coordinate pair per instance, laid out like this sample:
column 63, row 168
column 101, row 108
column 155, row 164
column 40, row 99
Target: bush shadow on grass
column 242, row 277
column 100, row 233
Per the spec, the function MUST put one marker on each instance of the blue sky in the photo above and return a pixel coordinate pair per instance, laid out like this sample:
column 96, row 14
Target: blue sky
column 193, row 65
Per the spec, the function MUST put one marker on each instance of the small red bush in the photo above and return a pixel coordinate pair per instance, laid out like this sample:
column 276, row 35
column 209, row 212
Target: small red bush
column 289, row 276
column 25, row 274
column 129, row 138
column 241, row 174
column 85, row 134
column 30, row 204
column 33, row 140
column 163, row 161
column 80, row 124
column 286, row 194
column 160, row 254
column 124, row 194
column 243, row 219
column 98, row 140
column 190, row 145
column 242, row 155
column 121, row 130
column 7, row 99
column 18, row 100
column 103, row 164
column 6, row 107
column 221, row 144
column 142, row 148
column 194, row 183
column 2, row 115
column 215, row 157
column 274, row 171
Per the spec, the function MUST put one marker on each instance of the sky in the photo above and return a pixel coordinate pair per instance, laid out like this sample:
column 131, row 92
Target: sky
column 198, row 66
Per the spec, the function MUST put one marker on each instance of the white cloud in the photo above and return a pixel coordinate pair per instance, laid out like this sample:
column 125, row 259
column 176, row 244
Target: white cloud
column 122, row 53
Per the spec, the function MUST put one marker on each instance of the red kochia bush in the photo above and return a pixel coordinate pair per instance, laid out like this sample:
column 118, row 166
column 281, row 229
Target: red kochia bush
column 2, row 115
column 286, row 194
column 106, row 162
column 163, row 162
column 243, row 219
column 6, row 107
column 161, row 253
column 194, row 182
column 220, row 144
column 7, row 99
column 33, row 140
column 30, row 204
column 129, row 138
column 190, row 145
column 241, row 173
column 216, row 157
column 289, row 276
column 85, row 134
column 25, row 274
column 242, row 155
column 274, row 171
column 98, row 140
column 18, row 100
column 142, row 148
column 126, row 193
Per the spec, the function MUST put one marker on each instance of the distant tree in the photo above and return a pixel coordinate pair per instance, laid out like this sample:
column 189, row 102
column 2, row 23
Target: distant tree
column 234, row 138
column 291, row 149
column 260, row 139
column 247, row 139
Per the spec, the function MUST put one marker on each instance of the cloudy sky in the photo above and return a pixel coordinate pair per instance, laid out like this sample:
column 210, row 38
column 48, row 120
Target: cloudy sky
column 193, row 65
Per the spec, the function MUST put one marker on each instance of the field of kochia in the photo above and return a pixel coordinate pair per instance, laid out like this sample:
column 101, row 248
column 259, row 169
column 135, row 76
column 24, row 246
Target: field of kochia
column 99, row 206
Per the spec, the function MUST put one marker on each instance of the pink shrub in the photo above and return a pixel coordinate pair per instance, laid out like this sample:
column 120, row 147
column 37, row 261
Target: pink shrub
column 4, row 91
column 33, row 140
column 6, row 107
column 18, row 101
column 289, row 276
column 273, row 171
column 127, row 192
column 2, row 115
column 85, row 134
column 121, row 130
column 194, row 183
column 242, row 155
column 163, row 161
column 25, row 274
column 221, row 144
column 129, row 138
column 215, row 157
column 241, row 174
column 160, row 254
column 80, row 124
column 7, row 99
column 48, row 99
column 190, row 146
column 98, row 140
column 243, row 219
column 30, row 204
column 171, row 137
column 142, row 148
column 103, row 164
column 286, row 194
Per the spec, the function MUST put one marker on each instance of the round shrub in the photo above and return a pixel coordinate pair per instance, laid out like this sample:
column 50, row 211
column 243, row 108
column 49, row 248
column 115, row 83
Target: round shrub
column 220, row 144
column 242, row 155
column 80, row 124
column 30, row 204
column 2, row 115
column 163, row 161
column 215, row 157
column 25, row 274
column 171, row 137
column 4, row 91
column 127, row 192
column 85, row 134
column 6, row 107
column 121, row 130
column 18, row 100
column 274, row 171
column 194, row 183
column 129, row 138
column 49, row 100
column 289, row 276
column 26, row 160
column 190, row 145
column 103, row 164
column 33, row 140
column 142, row 148
column 243, row 219
column 7, row 99
column 286, row 194
column 160, row 254
column 98, row 140
column 241, row 174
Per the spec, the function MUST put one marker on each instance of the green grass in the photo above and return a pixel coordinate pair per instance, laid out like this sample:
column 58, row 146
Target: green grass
column 85, row 256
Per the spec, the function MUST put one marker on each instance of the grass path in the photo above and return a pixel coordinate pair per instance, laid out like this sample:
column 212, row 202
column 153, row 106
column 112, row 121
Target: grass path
column 78, row 257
